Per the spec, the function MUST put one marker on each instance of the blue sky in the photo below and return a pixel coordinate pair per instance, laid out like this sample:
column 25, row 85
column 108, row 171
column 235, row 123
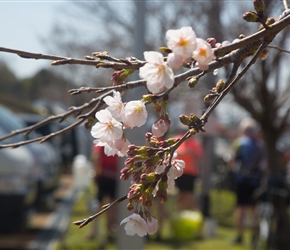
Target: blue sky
column 22, row 24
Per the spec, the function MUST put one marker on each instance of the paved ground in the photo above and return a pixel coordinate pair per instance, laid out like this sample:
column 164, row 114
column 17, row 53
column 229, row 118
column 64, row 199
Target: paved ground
column 45, row 226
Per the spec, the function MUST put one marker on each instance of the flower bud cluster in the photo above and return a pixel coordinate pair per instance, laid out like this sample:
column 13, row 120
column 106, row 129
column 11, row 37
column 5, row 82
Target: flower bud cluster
column 151, row 173
column 258, row 14
column 154, row 142
column 214, row 92
column 193, row 122
column 151, row 177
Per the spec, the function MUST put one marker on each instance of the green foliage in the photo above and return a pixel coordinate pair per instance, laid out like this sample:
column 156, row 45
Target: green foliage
column 19, row 94
column 8, row 81
column 45, row 85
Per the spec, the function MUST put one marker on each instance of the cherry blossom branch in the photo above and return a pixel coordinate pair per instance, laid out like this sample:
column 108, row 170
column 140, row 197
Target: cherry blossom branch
column 235, row 56
column 130, row 63
column 121, row 87
column 133, row 63
column 232, row 83
column 282, row 21
column 95, row 104
column 84, row 222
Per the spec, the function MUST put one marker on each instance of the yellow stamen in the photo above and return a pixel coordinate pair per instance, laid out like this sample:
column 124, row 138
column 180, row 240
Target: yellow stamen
column 138, row 109
column 109, row 126
column 202, row 52
column 182, row 42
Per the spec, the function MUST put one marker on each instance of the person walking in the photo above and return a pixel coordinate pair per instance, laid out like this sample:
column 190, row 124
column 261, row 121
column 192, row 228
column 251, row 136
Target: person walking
column 248, row 165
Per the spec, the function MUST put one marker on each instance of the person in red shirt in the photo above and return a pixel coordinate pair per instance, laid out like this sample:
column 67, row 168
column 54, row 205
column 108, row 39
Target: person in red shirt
column 190, row 152
column 106, row 179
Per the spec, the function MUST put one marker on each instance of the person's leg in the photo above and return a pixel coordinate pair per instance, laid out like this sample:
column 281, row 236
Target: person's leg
column 239, row 221
column 240, row 212
column 186, row 198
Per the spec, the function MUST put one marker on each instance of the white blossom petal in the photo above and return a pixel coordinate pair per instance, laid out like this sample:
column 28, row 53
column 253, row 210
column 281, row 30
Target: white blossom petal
column 156, row 72
column 203, row 54
column 115, row 105
column 107, row 128
column 135, row 114
column 182, row 42
column 135, row 224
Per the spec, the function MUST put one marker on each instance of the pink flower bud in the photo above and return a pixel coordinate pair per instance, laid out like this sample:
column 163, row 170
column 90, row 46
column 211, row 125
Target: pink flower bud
column 159, row 128
column 152, row 225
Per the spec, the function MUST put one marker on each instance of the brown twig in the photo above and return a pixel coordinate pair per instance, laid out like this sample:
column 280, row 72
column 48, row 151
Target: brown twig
column 60, row 60
column 95, row 104
column 84, row 222
column 279, row 49
column 231, row 83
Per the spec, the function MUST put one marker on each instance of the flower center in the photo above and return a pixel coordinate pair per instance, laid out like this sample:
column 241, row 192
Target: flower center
column 161, row 68
column 202, row 52
column 109, row 126
column 119, row 106
column 182, row 42
column 138, row 109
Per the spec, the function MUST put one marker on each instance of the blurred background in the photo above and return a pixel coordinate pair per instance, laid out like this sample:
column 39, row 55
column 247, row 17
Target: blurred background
column 37, row 182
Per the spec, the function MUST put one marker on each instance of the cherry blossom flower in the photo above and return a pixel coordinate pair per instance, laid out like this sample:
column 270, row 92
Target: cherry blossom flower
column 115, row 105
column 178, row 168
column 156, row 72
column 108, row 128
column 203, row 54
column 182, row 42
column 135, row 114
column 114, row 147
column 135, row 224
column 152, row 225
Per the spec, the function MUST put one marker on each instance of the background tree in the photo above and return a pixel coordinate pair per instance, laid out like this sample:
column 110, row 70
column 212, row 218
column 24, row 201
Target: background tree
column 264, row 94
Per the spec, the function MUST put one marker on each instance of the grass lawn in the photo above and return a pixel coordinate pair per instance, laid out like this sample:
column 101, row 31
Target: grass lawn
column 222, row 204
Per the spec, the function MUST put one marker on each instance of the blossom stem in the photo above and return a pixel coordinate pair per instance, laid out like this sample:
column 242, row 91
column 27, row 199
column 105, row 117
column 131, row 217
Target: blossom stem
column 84, row 222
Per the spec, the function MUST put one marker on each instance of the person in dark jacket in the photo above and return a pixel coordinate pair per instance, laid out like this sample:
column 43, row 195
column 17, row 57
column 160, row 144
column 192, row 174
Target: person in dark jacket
column 248, row 165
